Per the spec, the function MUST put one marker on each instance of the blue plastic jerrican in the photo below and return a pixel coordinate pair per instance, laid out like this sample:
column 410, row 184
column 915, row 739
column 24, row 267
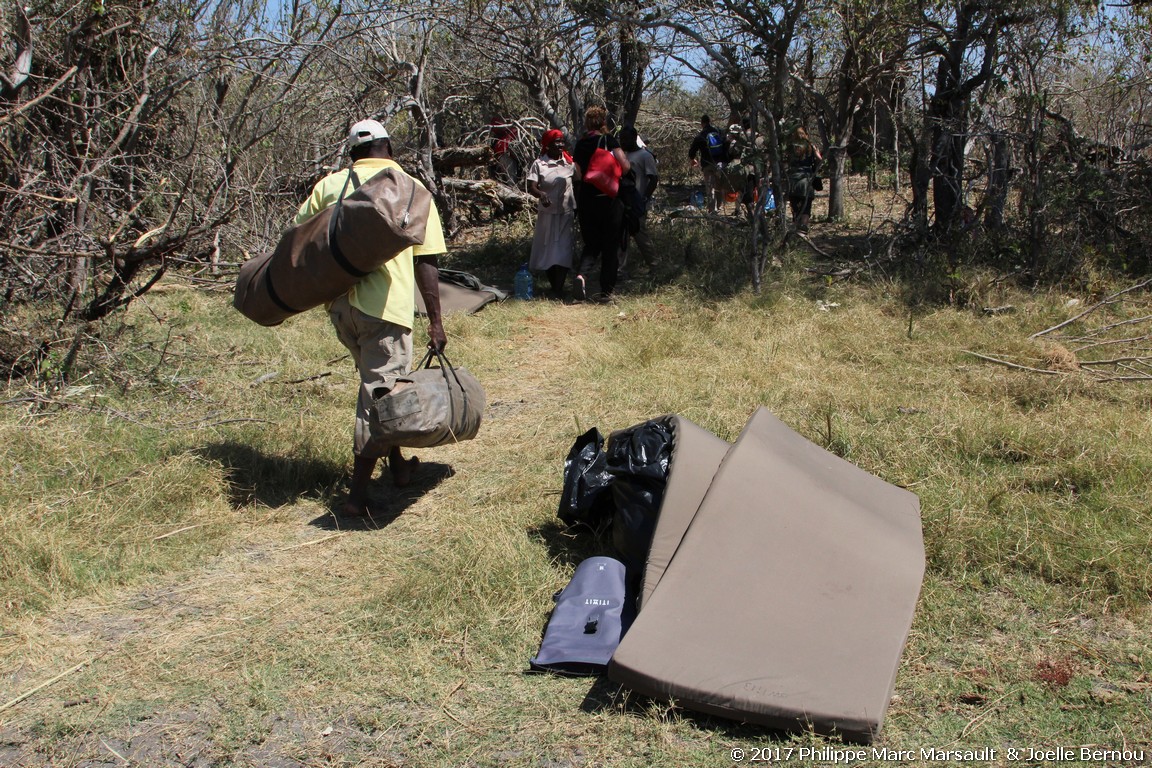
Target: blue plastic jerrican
column 523, row 283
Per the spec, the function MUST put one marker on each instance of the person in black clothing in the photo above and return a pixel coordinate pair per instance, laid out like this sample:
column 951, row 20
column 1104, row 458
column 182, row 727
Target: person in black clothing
column 709, row 151
column 803, row 163
column 601, row 216
column 636, row 190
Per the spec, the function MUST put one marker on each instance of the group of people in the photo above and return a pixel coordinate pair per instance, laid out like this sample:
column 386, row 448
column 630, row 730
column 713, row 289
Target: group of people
column 610, row 218
column 604, row 186
column 735, row 163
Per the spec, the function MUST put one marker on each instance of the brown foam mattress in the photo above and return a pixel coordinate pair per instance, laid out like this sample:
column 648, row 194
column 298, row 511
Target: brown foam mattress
column 457, row 298
column 790, row 597
column 696, row 455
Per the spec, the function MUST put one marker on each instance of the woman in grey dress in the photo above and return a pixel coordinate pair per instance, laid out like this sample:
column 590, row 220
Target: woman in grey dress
column 550, row 181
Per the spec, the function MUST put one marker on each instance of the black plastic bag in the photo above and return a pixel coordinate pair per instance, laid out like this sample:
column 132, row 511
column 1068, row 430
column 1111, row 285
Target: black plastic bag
column 638, row 460
column 587, row 482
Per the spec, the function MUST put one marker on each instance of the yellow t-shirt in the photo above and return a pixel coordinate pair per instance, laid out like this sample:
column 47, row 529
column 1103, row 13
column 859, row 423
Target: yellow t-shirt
column 389, row 293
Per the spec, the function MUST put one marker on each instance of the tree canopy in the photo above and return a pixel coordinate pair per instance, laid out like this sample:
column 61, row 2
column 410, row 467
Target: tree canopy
column 138, row 136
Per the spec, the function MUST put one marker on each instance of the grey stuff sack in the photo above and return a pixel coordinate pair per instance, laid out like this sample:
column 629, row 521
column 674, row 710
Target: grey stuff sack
column 592, row 613
column 430, row 406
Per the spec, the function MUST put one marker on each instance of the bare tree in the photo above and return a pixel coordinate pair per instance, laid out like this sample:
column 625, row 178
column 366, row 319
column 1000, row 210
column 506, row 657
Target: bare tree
column 621, row 54
column 122, row 146
column 872, row 45
column 964, row 39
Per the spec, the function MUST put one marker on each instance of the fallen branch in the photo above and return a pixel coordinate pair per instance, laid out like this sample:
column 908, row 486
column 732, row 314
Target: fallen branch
column 1117, row 361
column 1102, row 303
column 1125, row 378
column 123, row 759
column 810, row 244
column 500, row 196
column 1080, row 347
column 1017, row 366
column 1112, row 326
column 830, row 271
column 179, row 530
column 310, row 543
column 448, row 159
column 205, row 424
column 45, row 684
column 460, row 722
column 309, row 378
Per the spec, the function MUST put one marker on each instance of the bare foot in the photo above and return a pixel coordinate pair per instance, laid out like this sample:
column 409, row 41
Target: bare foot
column 402, row 470
column 355, row 508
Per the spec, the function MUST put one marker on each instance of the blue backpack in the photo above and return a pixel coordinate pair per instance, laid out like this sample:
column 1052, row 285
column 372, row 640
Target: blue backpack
column 717, row 148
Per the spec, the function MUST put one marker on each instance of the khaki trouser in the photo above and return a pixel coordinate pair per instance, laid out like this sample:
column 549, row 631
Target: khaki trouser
column 715, row 186
column 382, row 351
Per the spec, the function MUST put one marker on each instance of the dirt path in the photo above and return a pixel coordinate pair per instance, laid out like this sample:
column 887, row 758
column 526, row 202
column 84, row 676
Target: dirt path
column 63, row 671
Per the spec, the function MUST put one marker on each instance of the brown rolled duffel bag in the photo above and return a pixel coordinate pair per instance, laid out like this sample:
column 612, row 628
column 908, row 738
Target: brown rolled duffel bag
column 430, row 406
column 319, row 260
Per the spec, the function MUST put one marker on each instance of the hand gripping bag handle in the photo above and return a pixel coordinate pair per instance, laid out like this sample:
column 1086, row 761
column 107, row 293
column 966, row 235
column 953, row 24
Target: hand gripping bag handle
column 445, row 365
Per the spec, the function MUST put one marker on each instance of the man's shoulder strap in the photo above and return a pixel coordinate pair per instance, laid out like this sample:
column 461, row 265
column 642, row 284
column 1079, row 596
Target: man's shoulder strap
column 352, row 179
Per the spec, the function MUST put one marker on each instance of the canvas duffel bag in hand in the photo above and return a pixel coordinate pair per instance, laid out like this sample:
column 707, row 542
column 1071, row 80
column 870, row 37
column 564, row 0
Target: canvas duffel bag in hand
column 319, row 260
column 430, row 406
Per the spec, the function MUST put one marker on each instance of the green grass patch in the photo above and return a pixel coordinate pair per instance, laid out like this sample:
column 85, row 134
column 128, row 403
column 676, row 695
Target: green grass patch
column 166, row 516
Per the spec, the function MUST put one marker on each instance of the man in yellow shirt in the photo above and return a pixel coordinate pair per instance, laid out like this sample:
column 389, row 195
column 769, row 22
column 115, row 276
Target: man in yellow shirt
column 374, row 319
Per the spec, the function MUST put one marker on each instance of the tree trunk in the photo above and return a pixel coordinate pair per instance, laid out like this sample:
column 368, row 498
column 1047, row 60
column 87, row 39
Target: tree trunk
column 447, row 159
column 949, row 125
column 999, row 176
column 896, row 169
column 623, row 62
column 837, row 159
column 921, row 173
column 21, row 34
column 499, row 198
column 544, row 103
column 77, row 277
column 948, row 109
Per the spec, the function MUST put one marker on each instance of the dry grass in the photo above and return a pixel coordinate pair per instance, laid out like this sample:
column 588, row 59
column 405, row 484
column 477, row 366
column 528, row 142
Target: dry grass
column 181, row 545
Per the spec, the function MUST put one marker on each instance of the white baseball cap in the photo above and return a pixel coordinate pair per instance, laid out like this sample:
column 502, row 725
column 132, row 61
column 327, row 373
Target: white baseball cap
column 364, row 132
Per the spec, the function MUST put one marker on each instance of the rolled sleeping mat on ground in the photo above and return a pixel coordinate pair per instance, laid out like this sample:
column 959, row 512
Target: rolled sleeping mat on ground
column 461, row 292
column 319, row 260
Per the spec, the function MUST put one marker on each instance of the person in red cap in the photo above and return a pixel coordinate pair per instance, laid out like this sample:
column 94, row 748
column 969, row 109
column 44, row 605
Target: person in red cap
column 550, row 182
